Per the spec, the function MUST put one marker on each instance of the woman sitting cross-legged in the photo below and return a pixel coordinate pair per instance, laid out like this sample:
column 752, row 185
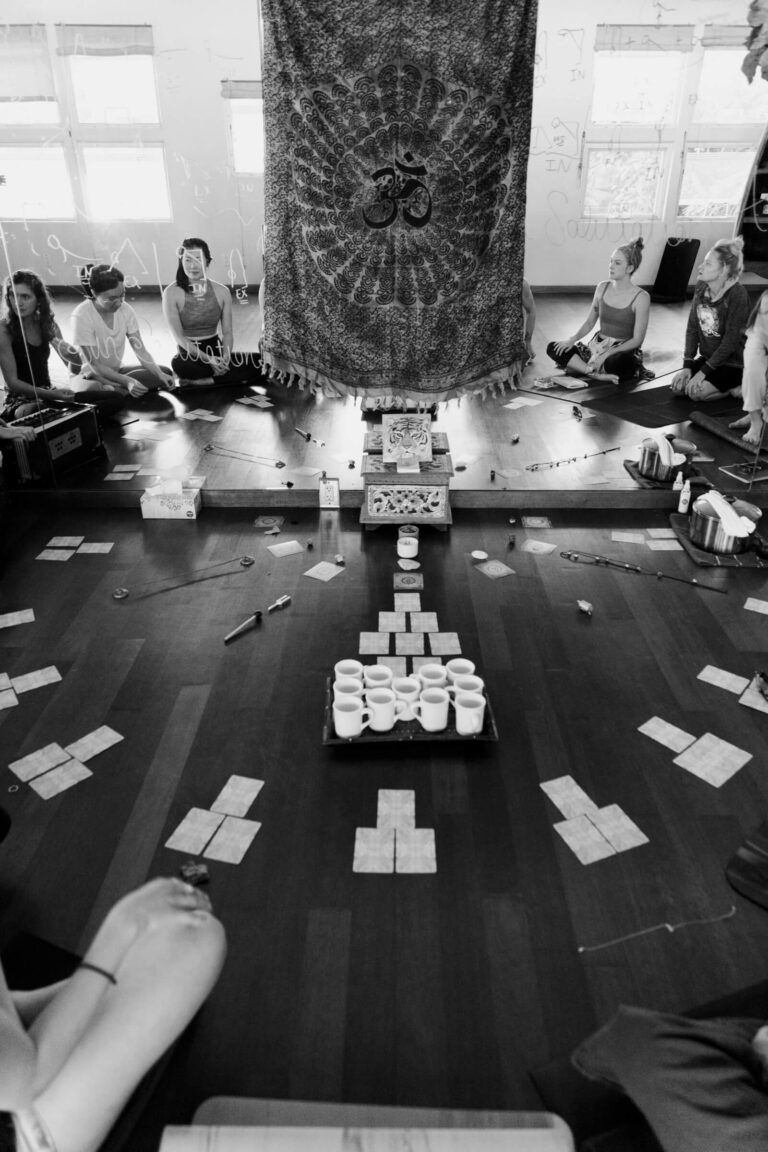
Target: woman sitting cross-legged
column 754, row 382
column 72, row 1054
column 713, row 360
column 101, row 326
column 621, row 309
column 198, row 312
column 28, row 331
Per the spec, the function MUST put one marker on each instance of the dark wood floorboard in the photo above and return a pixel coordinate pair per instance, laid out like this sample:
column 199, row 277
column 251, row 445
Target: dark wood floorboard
column 425, row 990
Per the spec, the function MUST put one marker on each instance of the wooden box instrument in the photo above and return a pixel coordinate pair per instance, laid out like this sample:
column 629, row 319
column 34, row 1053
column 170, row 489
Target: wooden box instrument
column 65, row 438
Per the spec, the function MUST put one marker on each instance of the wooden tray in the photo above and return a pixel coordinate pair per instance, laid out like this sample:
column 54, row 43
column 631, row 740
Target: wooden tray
column 408, row 730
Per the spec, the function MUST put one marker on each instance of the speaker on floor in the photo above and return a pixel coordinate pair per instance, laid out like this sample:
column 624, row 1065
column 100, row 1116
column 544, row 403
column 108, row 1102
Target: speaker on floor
column 675, row 269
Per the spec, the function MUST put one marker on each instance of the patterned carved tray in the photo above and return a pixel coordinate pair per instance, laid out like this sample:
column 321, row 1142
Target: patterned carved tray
column 405, row 731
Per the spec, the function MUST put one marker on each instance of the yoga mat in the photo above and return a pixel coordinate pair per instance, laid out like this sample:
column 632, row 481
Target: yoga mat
column 658, row 407
column 719, row 427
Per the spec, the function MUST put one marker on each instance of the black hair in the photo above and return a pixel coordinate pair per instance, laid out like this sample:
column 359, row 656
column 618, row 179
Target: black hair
column 103, row 278
column 190, row 242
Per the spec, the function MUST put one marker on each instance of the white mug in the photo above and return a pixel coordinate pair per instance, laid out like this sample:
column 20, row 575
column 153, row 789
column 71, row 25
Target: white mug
column 407, row 689
column 432, row 675
column 431, row 709
column 377, row 676
column 348, row 668
column 347, row 686
column 407, row 547
column 459, row 667
column 350, row 717
column 466, row 684
column 470, row 713
column 384, row 708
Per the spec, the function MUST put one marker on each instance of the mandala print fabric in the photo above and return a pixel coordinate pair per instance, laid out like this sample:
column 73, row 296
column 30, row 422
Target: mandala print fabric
column 397, row 140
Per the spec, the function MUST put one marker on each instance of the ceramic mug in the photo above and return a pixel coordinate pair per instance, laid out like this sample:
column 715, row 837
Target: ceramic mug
column 431, row 709
column 377, row 676
column 432, row 675
column 347, row 686
column 459, row 667
column 348, row 668
column 407, row 689
column 470, row 713
column 350, row 717
column 466, row 684
column 384, row 707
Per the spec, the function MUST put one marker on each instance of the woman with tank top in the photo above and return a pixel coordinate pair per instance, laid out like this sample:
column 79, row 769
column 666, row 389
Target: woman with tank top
column 196, row 308
column 621, row 309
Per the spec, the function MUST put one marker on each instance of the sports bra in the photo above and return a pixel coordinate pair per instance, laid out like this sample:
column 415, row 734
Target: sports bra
column 200, row 315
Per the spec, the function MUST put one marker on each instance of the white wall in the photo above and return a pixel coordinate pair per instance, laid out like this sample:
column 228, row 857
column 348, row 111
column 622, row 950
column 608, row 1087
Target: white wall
column 200, row 42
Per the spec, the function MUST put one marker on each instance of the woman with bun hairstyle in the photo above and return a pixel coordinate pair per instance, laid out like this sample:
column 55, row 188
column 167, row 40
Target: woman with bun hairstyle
column 621, row 310
column 713, row 360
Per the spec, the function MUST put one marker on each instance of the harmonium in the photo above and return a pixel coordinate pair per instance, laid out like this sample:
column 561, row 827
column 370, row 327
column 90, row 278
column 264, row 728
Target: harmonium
column 65, row 438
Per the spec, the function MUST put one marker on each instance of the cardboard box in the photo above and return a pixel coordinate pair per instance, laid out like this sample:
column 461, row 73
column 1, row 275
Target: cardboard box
column 183, row 505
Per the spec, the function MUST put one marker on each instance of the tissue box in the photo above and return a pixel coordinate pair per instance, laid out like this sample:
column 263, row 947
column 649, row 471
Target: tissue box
column 183, row 505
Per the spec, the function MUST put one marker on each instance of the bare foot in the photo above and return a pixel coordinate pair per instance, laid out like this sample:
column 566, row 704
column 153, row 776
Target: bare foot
column 754, row 432
column 742, row 422
column 604, row 377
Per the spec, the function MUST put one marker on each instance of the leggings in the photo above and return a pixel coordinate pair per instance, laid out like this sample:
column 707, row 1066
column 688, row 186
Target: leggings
column 725, row 378
column 244, row 367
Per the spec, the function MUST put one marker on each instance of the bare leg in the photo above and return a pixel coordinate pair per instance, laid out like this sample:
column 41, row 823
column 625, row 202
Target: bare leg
column 162, row 981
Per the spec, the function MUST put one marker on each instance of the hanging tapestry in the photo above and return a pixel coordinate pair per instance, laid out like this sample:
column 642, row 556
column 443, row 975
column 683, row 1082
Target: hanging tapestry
column 397, row 138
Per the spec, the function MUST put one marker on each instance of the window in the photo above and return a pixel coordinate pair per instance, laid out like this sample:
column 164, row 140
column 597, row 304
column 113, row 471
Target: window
column 36, row 184
column 125, row 183
column 636, row 87
column 246, row 118
column 27, row 94
column 114, row 89
column 623, row 184
column 723, row 95
column 713, row 181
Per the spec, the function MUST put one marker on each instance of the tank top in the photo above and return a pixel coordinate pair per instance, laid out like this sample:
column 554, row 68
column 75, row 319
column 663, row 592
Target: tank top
column 618, row 323
column 200, row 315
column 32, row 362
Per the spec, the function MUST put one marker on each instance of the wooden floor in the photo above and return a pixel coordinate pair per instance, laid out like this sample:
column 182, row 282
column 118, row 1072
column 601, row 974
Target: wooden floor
column 249, row 442
column 426, row 990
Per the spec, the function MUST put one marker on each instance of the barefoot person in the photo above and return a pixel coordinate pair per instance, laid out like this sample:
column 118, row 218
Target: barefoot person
column 529, row 321
column 72, row 1054
column 621, row 309
column 755, row 379
column 101, row 327
column 713, row 360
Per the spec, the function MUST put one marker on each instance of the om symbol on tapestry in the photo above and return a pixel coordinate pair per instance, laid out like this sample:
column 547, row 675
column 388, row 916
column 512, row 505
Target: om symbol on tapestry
column 397, row 184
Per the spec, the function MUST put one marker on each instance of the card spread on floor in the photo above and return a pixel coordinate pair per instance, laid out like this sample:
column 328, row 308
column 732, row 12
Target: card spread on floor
column 324, row 571
column 568, row 796
column 269, row 521
column 722, row 679
column 59, row 779
column 396, row 808
column 712, row 759
column 753, row 698
column 232, row 840
column 5, row 681
column 374, row 850
column 391, row 621
column 38, row 762
column 8, row 698
column 617, row 828
column 119, row 476
column 398, row 664
column 424, row 622
column 408, row 565
column 195, row 831
column 59, row 553
column 537, row 546
column 495, row 569
column 94, row 743
column 95, row 548
column 536, row 522
column 30, row 680
column 65, row 541
column 408, row 581
column 415, row 850
column 407, row 602
column 237, row 795
column 444, row 643
column 628, row 537
column 9, row 619
column 584, row 840
column 409, row 643
column 420, row 661
column 661, row 533
column 126, row 467
column 374, row 644
column 666, row 734
column 287, row 548
column 754, row 605
column 664, row 545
